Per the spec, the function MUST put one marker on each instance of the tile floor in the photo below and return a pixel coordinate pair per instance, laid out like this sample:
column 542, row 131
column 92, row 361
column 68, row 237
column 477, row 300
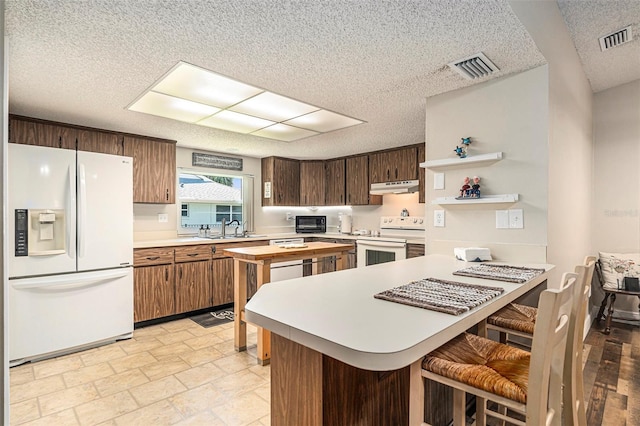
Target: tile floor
column 173, row 373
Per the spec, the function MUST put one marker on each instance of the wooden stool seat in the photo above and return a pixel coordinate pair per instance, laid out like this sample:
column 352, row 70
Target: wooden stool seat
column 515, row 317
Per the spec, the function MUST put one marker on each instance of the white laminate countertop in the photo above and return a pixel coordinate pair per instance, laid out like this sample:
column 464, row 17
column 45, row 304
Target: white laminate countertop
column 185, row 241
column 336, row 314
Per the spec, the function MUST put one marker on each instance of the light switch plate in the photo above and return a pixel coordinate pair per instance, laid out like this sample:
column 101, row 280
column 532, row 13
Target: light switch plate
column 163, row 217
column 502, row 219
column 438, row 181
column 438, row 218
column 516, row 218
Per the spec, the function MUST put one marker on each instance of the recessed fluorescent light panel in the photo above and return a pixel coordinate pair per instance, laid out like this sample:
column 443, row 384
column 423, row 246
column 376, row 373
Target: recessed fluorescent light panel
column 199, row 96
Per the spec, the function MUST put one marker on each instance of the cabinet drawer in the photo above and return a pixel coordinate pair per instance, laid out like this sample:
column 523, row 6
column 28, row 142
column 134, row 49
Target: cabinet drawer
column 191, row 253
column 152, row 256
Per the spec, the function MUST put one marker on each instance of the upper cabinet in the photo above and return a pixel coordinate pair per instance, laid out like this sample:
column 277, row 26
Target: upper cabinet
column 28, row 131
column 312, row 183
column 104, row 142
column 421, row 173
column 154, row 169
column 280, row 182
column 393, row 165
column 335, row 182
column 357, row 182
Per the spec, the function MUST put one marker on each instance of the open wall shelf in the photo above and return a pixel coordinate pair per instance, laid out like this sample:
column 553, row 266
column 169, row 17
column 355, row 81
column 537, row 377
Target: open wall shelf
column 485, row 199
column 474, row 159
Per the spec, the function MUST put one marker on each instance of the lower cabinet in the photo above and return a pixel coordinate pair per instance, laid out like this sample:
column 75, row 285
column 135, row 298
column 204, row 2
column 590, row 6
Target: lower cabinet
column 193, row 286
column 415, row 250
column 222, row 280
column 154, row 292
column 328, row 264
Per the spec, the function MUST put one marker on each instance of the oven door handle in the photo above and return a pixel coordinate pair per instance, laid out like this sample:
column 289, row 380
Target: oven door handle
column 382, row 244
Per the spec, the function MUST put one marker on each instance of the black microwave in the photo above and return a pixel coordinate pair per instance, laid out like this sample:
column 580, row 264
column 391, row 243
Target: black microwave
column 311, row 224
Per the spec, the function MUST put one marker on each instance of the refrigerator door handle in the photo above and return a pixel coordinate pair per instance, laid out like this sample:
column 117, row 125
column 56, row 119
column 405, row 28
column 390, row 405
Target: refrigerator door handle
column 71, row 245
column 64, row 282
column 82, row 210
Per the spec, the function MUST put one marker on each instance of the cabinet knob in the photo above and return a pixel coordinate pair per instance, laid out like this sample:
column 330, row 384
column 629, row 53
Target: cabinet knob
column 153, row 257
column 167, row 196
column 213, row 249
column 192, row 254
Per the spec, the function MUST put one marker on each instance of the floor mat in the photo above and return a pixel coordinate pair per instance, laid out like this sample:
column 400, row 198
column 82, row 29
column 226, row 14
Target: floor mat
column 211, row 319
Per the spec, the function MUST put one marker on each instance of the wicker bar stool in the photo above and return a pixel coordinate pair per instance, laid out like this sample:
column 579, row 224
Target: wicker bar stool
column 528, row 383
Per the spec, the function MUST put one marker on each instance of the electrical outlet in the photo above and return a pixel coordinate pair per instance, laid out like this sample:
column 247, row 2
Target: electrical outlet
column 438, row 218
column 516, row 219
column 163, row 217
column 502, row 219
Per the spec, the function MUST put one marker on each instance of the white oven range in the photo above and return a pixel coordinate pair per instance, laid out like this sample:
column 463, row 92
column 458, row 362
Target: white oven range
column 391, row 245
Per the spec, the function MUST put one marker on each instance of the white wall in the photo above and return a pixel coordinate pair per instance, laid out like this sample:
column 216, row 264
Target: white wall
column 267, row 219
column 508, row 115
column 4, row 355
column 570, row 156
column 616, row 199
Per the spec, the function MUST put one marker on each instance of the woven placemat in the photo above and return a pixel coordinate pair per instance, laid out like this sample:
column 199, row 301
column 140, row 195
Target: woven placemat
column 439, row 295
column 512, row 274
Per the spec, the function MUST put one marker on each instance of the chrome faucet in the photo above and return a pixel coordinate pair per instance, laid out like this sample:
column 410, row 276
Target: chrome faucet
column 223, row 226
column 235, row 231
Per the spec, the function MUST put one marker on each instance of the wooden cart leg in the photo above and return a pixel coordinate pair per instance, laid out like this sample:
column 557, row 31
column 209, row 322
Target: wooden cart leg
column 239, row 300
column 264, row 336
column 607, row 324
column 603, row 305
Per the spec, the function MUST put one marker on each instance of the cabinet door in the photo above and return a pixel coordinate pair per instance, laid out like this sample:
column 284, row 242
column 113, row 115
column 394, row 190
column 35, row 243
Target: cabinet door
column 193, row 286
column 312, row 183
column 106, row 143
column 222, row 281
column 33, row 132
column 154, row 292
column 406, row 164
column 421, row 174
column 154, row 169
column 335, row 182
column 283, row 175
column 357, row 182
column 415, row 250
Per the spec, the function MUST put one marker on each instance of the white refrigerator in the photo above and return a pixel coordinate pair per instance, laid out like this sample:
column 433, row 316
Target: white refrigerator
column 70, row 252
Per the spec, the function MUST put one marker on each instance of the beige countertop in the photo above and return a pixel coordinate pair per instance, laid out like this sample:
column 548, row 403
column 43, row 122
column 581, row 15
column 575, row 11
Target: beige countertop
column 185, row 241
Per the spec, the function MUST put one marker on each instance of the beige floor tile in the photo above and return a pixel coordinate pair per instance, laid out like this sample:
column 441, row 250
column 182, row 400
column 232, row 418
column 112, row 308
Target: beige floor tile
column 102, row 354
column 87, row 374
column 203, row 418
column 54, row 366
column 36, row 388
column 62, row 418
column 169, row 351
column 21, row 374
column 238, row 383
column 131, row 362
column 67, row 398
column 111, row 422
column 266, row 421
column 150, row 331
column 120, row 382
column 24, row 411
column 106, row 408
column 164, row 368
column 201, row 342
column 201, row 356
column 175, row 337
column 264, row 392
column 203, row 331
column 199, row 375
column 157, row 390
column 134, row 346
column 262, row 371
column 236, row 362
column 243, row 410
column 199, row 399
column 160, row 413
column 226, row 334
column 178, row 325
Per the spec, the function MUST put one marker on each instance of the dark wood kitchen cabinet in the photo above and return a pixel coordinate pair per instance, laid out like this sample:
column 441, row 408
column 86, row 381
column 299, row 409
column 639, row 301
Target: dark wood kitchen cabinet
column 415, row 250
column 280, row 182
column 421, row 173
column 31, row 131
column 335, row 182
column 357, row 182
column 222, row 279
column 312, row 183
column 154, row 169
column 104, row 142
column 193, row 286
column 153, row 284
column 393, row 165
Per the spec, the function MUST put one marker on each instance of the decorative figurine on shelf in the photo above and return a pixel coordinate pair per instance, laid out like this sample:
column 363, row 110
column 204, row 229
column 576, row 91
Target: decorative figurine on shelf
column 461, row 151
column 475, row 188
column 464, row 191
column 466, row 141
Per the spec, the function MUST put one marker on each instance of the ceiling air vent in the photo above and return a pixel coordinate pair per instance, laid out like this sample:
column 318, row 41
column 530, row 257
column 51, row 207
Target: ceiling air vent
column 615, row 38
column 474, row 66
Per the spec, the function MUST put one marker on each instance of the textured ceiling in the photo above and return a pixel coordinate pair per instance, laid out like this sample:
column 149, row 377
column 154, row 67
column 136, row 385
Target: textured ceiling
column 83, row 62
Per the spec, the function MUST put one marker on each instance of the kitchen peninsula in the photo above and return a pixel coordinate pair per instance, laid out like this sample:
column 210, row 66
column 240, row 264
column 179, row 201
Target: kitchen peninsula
column 340, row 356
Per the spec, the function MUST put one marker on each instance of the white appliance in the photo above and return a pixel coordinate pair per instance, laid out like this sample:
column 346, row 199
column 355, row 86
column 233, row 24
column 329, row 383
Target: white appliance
column 286, row 270
column 346, row 223
column 70, row 251
column 391, row 244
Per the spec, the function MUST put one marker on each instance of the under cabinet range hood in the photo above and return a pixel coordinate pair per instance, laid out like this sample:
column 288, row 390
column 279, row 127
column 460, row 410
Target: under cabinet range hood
column 400, row 187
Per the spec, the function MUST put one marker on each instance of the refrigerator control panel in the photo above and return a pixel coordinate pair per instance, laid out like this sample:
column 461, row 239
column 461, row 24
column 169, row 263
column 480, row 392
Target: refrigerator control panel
column 22, row 226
